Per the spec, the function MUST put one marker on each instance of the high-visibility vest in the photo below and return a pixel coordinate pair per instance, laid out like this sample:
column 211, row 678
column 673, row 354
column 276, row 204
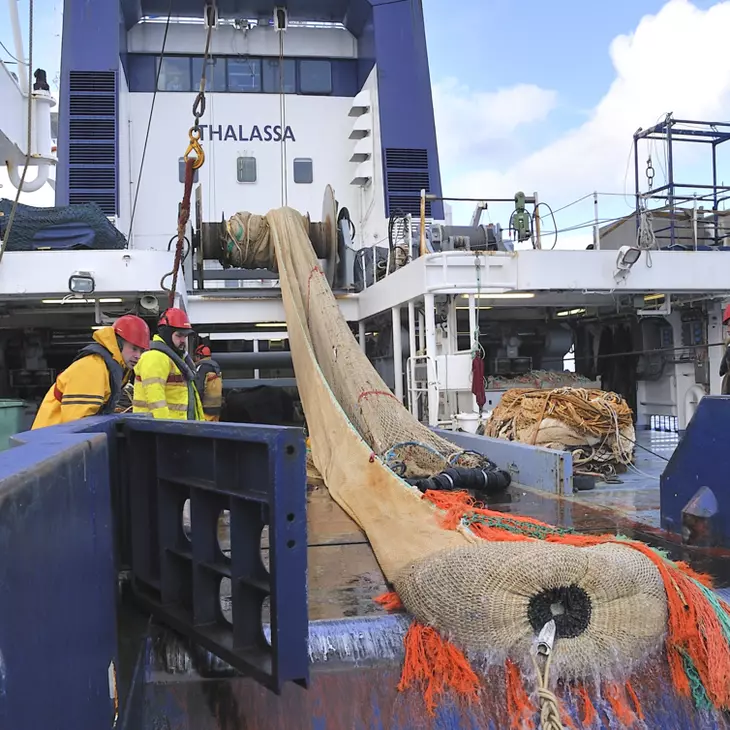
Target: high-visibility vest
column 164, row 385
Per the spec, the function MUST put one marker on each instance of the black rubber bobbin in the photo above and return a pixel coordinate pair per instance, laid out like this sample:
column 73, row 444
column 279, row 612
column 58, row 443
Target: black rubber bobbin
column 569, row 606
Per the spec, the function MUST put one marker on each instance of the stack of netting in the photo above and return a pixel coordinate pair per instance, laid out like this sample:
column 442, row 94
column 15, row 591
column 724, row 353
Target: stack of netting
column 596, row 426
column 484, row 588
column 539, row 379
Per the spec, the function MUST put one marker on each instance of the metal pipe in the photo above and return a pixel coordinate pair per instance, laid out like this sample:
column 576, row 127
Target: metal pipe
column 397, row 353
column 422, row 237
column 596, row 233
column 412, row 403
column 262, row 360
column 361, row 334
column 23, row 78
column 536, row 216
column 431, row 197
column 670, row 178
column 256, row 372
column 421, row 333
column 433, row 393
column 473, row 324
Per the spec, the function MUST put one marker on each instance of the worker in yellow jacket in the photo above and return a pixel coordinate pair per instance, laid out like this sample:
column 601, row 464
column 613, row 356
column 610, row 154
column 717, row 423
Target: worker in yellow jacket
column 210, row 383
column 92, row 384
column 164, row 384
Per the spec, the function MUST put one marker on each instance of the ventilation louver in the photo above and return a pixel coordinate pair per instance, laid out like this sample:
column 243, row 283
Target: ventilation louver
column 92, row 152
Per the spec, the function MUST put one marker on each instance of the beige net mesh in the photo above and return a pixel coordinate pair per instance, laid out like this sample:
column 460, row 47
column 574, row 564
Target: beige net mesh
column 383, row 422
column 595, row 425
column 608, row 602
column 480, row 593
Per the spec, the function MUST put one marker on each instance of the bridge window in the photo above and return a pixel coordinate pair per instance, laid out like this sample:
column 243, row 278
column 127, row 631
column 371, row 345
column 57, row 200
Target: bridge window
column 246, row 172
column 181, row 171
column 303, row 172
column 272, row 79
column 174, row 74
column 215, row 74
column 315, row 77
column 244, row 74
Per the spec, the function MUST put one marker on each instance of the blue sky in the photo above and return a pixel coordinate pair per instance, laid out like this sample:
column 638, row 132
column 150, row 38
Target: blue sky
column 546, row 96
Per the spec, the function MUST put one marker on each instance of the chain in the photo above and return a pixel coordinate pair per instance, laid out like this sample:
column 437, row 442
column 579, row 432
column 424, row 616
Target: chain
column 649, row 173
column 194, row 147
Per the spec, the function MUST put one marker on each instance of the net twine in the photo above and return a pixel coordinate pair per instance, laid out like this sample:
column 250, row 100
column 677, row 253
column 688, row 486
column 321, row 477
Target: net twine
column 445, row 556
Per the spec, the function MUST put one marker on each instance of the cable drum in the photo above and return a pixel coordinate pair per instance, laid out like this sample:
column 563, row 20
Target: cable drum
column 248, row 245
column 492, row 599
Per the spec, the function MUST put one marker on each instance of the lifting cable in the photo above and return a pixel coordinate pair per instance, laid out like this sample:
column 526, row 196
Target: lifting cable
column 29, row 139
column 149, row 121
column 282, row 121
column 194, row 157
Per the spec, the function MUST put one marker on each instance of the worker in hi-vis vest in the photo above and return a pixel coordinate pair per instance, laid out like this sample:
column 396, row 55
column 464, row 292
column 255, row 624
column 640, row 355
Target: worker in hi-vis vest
column 210, row 384
column 164, row 384
column 92, row 384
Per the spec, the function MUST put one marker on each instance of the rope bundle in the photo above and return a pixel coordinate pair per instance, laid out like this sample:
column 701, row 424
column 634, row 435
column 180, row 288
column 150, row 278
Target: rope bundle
column 595, row 425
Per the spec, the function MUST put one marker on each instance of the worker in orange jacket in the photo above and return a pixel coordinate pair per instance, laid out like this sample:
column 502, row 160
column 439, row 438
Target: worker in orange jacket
column 92, row 384
column 210, row 383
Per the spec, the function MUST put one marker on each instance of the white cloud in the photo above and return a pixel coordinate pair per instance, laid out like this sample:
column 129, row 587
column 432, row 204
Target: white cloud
column 593, row 156
column 469, row 122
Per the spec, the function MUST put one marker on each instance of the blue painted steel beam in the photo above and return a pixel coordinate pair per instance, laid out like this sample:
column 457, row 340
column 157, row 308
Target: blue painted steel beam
column 702, row 459
column 57, row 583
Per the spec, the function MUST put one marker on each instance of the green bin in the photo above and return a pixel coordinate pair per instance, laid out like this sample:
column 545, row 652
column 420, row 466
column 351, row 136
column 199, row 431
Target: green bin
column 11, row 419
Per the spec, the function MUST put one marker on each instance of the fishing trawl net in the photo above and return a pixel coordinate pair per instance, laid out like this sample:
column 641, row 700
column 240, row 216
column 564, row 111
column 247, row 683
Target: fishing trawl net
column 390, row 430
column 607, row 601
column 480, row 582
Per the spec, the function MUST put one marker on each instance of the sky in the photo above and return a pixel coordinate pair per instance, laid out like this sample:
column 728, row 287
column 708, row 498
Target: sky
column 545, row 96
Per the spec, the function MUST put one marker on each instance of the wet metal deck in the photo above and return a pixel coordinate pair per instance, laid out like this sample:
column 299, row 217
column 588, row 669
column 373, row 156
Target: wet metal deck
column 356, row 649
column 636, row 493
column 344, row 576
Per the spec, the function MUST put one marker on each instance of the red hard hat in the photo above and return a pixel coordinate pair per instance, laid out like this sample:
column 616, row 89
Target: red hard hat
column 134, row 330
column 175, row 318
column 202, row 351
column 726, row 315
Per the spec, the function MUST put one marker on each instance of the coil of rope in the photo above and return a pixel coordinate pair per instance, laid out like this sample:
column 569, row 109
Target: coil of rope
column 194, row 159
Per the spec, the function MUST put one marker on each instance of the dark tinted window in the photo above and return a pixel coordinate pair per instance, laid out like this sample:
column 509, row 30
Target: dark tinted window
column 215, row 74
column 246, row 170
column 244, row 74
column 315, row 77
column 175, row 74
column 303, row 172
column 272, row 80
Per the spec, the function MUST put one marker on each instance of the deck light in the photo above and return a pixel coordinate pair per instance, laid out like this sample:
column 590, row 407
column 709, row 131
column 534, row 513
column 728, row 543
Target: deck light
column 81, row 282
column 627, row 257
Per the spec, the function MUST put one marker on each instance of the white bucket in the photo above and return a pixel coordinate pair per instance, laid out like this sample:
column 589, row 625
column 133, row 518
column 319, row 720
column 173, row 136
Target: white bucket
column 468, row 422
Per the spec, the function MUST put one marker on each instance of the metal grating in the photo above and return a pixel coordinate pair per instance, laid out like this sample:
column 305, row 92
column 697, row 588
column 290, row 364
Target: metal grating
column 415, row 159
column 91, row 105
column 407, row 204
column 102, row 153
column 89, row 129
column 408, row 182
column 105, row 200
column 92, row 176
column 95, row 81
column 406, row 174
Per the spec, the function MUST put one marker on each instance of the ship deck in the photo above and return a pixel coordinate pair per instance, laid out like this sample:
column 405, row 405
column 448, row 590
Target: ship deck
column 344, row 576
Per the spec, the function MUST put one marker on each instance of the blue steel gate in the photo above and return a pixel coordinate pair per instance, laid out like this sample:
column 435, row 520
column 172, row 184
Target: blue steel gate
column 62, row 492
